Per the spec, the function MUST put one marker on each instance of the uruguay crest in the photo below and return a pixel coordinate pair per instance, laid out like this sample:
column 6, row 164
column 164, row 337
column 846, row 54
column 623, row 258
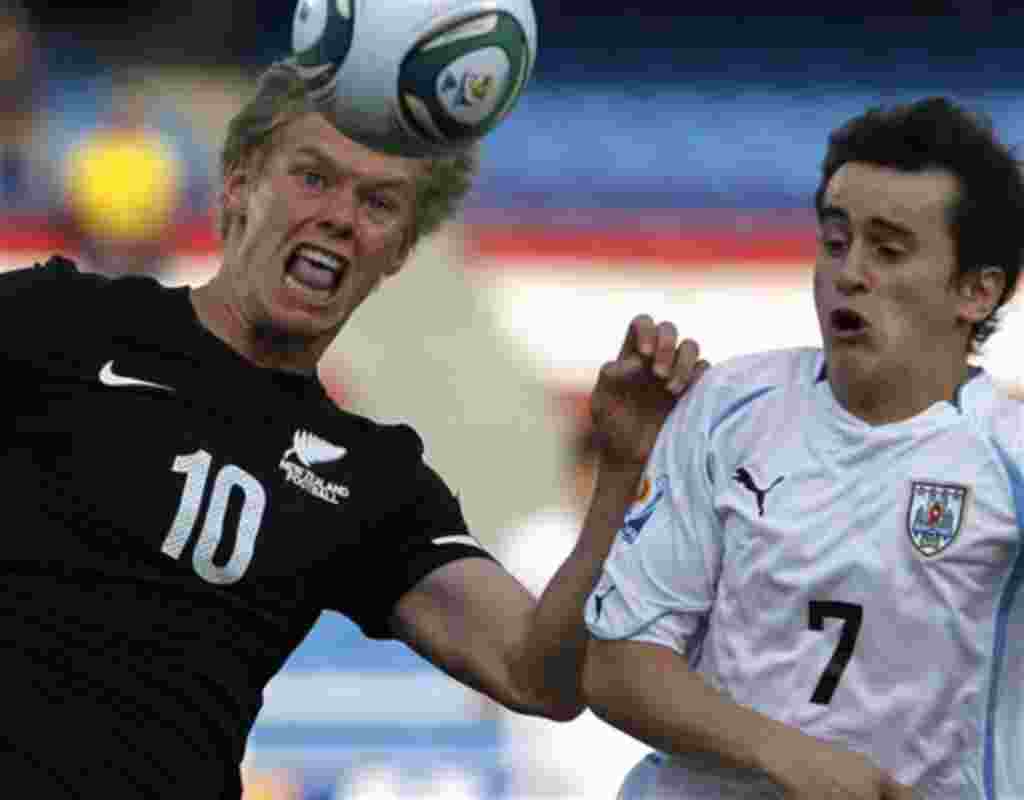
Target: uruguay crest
column 935, row 515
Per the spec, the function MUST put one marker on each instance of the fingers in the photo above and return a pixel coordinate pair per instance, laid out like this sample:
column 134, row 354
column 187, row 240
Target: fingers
column 640, row 336
column 687, row 369
column 655, row 341
column 664, row 349
column 678, row 364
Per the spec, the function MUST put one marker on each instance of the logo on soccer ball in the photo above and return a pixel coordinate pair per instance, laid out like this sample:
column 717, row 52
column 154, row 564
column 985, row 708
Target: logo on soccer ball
column 476, row 87
column 470, row 87
column 470, row 90
column 935, row 515
column 417, row 77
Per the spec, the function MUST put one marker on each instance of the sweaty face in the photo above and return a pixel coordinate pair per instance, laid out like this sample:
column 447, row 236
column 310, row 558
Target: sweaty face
column 322, row 221
column 883, row 275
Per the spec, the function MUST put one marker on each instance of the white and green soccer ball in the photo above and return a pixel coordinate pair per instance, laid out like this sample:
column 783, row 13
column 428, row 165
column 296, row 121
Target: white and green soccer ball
column 415, row 77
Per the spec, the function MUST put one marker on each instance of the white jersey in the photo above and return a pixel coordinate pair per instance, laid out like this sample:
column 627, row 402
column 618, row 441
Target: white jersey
column 857, row 582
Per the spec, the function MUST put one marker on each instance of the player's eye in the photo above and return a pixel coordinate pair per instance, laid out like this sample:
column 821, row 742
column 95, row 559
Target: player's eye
column 382, row 205
column 888, row 253
column 833, row 245
column 313, row 179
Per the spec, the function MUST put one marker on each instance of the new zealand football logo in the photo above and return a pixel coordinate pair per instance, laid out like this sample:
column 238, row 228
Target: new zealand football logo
column 935, row 515
column 309, row 450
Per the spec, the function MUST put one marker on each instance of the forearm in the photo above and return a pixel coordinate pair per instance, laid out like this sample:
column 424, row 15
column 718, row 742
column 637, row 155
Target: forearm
column 556, row 646
column 650, row 693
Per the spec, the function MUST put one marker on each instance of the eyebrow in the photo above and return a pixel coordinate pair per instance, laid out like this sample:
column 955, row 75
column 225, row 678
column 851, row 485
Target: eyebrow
column 387, row 182
column 836, row 214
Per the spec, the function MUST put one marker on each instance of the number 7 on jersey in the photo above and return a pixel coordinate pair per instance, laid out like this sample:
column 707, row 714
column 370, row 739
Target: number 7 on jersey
column 851, row 614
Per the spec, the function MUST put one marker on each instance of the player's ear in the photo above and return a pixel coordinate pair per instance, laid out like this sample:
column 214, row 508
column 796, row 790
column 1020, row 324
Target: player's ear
column 236, row 190
column 402, row 256
column 980, row 291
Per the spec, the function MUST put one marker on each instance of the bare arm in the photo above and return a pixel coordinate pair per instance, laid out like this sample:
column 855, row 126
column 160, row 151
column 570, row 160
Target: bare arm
column 478, row 623
column 649, row 692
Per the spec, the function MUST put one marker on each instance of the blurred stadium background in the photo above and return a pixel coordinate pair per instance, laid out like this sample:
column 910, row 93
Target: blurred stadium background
column 659, row 162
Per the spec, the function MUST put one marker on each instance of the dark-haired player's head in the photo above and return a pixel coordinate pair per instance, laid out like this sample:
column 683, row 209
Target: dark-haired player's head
column 985, row 209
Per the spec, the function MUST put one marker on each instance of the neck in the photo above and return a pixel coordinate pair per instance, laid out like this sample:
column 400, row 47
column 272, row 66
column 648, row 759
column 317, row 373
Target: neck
column 895, row 396
column 262, row 345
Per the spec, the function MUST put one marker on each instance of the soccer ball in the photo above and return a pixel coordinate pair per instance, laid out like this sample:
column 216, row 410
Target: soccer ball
column 415, row 77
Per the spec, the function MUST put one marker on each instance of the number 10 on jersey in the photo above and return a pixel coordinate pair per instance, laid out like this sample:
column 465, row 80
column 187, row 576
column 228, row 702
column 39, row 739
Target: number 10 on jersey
column 196, row 468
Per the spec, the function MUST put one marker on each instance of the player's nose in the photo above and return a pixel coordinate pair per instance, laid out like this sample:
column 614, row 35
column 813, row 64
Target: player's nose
column 850, row 270
column 338, row 215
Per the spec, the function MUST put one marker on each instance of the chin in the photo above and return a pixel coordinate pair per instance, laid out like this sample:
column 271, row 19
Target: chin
column 296, row 327
column 288, row 315
column 852, row 363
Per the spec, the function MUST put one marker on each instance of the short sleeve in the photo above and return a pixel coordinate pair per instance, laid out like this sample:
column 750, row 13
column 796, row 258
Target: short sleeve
column 659, row 579
column 422, row 529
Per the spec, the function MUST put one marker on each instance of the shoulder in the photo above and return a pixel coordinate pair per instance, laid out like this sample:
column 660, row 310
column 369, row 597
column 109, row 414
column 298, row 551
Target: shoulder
column 55, row 274
column 995, row 414
column 750, row 393
column 389, row 440
column 391, row 451
column 768, row 368
column 33, row 298
column 728, row 387
column 60, row 282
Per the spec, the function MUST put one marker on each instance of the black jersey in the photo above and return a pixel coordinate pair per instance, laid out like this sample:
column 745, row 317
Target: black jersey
column 174, row 521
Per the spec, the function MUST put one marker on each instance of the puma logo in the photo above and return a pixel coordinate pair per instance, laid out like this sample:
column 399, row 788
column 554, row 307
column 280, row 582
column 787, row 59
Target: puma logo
column 745, row 479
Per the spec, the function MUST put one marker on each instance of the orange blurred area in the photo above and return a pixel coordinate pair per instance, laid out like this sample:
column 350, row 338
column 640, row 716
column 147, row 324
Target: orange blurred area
column 264, row 784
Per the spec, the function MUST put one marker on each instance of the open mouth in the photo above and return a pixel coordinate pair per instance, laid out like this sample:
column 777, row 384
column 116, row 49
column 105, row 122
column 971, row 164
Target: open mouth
column 846, row 322
column 314, row 271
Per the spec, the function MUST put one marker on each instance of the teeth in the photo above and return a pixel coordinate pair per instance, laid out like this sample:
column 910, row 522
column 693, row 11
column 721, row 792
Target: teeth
column 291, row 283
column 319, row 257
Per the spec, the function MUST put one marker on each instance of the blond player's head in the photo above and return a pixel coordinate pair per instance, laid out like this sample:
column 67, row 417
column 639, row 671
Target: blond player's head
column 282, row 96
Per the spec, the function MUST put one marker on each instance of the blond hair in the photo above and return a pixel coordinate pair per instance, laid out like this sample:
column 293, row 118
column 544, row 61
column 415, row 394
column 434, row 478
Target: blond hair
column 283, row 96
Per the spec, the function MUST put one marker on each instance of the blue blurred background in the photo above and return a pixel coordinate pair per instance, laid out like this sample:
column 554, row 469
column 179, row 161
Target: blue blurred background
column 659, row 161
column 632, row 106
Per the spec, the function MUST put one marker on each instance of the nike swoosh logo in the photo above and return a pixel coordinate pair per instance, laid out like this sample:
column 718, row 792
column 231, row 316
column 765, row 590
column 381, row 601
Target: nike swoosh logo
column 110, row 378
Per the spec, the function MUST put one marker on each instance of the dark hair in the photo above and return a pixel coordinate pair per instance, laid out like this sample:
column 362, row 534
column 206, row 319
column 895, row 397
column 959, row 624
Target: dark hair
column 986, row 219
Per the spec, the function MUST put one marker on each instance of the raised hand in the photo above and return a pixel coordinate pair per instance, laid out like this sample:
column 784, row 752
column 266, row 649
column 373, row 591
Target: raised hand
column 635, row 392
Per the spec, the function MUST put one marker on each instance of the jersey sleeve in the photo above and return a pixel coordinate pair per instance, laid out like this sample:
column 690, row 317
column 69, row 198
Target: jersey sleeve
column 423, row 530
column 659, row 579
